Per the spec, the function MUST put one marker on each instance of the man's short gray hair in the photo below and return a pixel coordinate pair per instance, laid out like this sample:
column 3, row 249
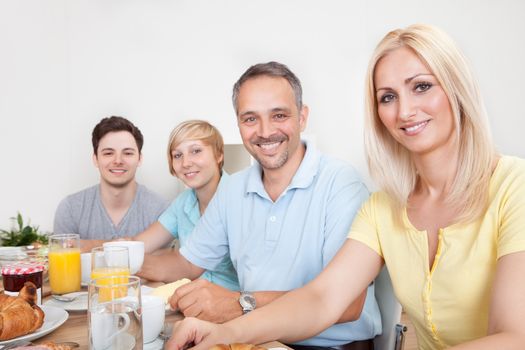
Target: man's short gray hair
column 270, row 69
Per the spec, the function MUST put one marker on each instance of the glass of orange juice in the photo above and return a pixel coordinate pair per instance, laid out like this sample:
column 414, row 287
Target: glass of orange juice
column 111, row 262
column 64, row 263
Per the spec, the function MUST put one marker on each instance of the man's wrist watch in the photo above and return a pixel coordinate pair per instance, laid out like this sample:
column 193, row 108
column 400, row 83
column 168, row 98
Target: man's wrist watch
column 247, row 301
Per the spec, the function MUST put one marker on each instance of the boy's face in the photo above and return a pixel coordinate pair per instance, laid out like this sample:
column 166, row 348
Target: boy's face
column 117, row 158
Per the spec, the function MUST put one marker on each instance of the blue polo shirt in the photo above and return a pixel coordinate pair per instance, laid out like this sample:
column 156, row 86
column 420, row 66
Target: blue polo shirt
column 282, row 245
column 180, row 219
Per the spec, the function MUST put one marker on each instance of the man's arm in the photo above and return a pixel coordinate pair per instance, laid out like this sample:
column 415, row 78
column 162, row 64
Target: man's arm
column 168, row 267
column 210, row 302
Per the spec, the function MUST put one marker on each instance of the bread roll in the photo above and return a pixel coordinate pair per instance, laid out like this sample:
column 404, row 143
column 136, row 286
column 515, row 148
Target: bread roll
column 236, row 346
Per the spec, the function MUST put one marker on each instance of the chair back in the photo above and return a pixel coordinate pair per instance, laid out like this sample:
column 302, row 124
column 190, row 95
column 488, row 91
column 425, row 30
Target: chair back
column 392, row 336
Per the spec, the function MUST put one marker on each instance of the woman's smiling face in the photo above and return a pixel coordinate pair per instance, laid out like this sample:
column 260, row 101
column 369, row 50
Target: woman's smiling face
column 412, row 105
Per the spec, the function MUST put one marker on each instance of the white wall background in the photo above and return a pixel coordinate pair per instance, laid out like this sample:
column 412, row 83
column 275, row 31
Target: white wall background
column 65, row 64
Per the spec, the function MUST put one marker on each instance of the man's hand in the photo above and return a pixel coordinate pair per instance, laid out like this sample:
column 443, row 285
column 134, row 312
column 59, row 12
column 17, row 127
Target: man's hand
column 193, row 332
column 207, row 301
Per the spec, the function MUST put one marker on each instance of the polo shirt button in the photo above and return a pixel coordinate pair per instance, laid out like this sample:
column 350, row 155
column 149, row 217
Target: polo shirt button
column 273, row 218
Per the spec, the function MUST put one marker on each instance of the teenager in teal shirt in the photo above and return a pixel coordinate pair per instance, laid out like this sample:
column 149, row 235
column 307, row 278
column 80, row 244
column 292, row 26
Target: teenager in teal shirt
column 195, row 156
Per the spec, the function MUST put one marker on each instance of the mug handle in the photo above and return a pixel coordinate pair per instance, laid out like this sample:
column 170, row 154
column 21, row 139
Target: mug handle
column 105, row 343
column 124, row 328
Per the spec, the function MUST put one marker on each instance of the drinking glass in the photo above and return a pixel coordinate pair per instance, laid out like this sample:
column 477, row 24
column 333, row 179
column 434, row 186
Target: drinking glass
column 109, row 261
column 115, row 314
column 136, row 253
column 64, row 263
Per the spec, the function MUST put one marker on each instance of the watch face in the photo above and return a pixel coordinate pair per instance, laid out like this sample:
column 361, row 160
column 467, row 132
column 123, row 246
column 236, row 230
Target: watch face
column 247, row 301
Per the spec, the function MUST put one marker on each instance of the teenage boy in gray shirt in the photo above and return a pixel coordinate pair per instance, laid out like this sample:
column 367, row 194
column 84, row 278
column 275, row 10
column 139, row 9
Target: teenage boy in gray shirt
column 118, row 206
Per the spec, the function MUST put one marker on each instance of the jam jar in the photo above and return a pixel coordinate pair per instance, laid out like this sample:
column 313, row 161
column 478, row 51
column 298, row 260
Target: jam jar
column 16, row 274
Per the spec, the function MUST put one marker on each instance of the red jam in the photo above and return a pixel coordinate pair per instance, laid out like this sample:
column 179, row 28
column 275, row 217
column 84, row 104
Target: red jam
column 17, row 274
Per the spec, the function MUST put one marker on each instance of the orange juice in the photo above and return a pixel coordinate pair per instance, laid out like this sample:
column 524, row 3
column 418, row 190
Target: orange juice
column 119, row 276
column 64, row 270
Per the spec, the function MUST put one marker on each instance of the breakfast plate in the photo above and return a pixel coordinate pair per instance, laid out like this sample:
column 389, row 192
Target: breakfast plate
column 54, row 318
column 79, row 304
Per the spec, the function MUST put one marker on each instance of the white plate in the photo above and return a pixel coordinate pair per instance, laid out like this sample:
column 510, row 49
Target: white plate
column 79, row 304
column 54, row 318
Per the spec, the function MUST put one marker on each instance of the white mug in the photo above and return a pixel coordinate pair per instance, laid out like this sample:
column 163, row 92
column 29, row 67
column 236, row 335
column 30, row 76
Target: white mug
column 153, row 311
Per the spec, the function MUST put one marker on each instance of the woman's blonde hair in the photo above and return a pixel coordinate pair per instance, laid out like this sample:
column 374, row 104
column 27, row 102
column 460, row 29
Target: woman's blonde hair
column 196, row 130
column 390, row 164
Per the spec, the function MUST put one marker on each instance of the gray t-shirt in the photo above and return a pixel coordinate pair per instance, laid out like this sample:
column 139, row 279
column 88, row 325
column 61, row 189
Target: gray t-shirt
column 84, row 213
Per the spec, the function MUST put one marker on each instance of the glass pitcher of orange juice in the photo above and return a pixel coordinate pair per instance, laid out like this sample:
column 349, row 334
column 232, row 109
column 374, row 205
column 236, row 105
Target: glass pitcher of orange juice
column 64, row 263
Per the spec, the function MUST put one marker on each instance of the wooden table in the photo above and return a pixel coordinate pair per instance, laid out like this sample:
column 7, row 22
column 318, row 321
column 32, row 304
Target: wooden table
column 75, row 329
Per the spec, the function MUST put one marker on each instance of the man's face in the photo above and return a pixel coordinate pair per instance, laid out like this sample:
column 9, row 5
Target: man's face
column 117, row 158
column 269, row 121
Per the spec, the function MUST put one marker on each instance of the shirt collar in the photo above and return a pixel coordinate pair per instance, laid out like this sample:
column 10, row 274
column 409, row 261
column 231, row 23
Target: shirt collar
column 191, row 204
column 303, row 177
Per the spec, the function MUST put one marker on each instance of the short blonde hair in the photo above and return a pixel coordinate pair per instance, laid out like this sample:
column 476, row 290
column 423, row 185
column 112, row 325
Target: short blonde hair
column 390, row 164
column 196, row 130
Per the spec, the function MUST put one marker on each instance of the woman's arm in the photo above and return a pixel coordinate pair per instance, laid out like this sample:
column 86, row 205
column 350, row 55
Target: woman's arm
column 507, row 308
column 154, row 237
column 317, row 305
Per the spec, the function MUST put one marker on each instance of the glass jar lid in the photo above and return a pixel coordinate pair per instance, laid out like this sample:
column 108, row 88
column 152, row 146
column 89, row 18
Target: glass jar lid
column 22, row 268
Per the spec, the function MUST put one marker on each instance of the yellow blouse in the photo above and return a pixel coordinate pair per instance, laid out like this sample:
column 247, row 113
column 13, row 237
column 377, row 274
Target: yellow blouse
column 449, row 303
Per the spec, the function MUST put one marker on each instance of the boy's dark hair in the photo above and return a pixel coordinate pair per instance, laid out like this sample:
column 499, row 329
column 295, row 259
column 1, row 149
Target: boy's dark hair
column 114, row 124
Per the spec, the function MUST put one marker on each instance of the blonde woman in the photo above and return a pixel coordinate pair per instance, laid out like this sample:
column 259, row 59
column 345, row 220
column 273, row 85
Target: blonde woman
column 195, row 156
column 449, row 222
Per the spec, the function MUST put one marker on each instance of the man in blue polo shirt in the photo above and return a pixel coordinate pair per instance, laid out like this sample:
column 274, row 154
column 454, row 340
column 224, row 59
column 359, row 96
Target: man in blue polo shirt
column 281, row 221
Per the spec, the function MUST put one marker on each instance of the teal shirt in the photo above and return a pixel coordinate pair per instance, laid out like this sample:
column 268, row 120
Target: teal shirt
column 180, row 218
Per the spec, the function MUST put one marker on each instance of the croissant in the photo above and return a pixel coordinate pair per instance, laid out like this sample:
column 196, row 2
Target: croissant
column 20, row 315
column 236, row 346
